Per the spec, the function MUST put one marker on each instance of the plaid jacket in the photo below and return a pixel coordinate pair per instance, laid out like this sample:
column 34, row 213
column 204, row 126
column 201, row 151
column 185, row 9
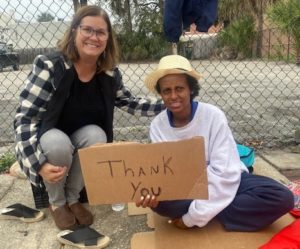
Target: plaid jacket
column 43, row 97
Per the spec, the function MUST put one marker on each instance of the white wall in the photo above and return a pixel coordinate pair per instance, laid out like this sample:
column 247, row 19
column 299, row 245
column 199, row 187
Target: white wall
column 31, row 35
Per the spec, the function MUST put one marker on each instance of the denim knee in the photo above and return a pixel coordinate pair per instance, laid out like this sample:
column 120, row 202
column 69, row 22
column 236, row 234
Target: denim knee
column 57, row 147
column 88, row 135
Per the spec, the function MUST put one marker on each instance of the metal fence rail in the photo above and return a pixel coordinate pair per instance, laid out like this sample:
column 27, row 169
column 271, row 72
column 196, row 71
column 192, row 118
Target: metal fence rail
column 261, row 97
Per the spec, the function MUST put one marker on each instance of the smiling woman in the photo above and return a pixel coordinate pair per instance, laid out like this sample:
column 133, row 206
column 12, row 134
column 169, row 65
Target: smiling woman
column 90, row 41
column 239, row 200
column 68, row 104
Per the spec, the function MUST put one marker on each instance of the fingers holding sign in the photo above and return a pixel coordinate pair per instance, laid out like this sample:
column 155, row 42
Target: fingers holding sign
column 151, row 202
column 147, row 201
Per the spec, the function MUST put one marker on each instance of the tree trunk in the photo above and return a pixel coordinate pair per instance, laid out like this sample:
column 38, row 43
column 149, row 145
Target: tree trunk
column 76, row 5
column 259, row 41
column 128, row 15
column 161, row 6
column 83, row 3
column 298, row 56
column 258, row 11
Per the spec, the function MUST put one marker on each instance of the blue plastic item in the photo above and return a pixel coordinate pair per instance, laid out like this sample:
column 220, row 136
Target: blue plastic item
column 247, row 156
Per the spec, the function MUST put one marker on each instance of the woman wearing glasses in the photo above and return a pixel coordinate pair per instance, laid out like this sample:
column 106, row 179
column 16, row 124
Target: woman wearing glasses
column 68, row 104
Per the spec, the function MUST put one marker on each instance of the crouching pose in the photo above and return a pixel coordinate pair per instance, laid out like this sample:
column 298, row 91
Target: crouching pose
column 67, row 104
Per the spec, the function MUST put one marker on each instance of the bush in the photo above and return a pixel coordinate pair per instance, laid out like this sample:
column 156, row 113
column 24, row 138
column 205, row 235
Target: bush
column 286, row 14
column 239, row 37
column 136, row 46
column 6, row 160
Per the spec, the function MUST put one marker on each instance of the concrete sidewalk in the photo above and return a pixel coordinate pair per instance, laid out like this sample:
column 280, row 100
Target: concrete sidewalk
column 117, row 225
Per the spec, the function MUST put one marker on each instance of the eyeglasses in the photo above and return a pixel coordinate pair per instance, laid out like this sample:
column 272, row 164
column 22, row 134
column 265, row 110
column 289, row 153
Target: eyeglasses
column 88, row 31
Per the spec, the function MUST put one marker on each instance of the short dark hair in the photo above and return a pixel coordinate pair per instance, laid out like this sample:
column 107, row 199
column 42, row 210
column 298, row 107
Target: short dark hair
column 193, row 86
column 109, row 58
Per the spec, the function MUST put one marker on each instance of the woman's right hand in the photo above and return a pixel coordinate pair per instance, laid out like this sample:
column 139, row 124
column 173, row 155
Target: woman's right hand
column 51, row 173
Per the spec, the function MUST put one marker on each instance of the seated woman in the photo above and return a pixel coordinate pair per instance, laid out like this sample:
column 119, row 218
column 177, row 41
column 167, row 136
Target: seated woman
column 239, row 200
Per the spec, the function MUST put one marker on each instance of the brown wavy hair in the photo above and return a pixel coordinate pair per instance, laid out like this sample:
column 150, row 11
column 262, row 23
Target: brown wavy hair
column 109, row 58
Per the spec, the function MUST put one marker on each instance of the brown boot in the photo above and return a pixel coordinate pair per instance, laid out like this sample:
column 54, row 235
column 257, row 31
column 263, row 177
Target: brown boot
column 63, row 217
column 83, row 216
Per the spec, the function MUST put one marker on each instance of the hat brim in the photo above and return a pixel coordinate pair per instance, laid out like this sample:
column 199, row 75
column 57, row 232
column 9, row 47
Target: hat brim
column 152, row 79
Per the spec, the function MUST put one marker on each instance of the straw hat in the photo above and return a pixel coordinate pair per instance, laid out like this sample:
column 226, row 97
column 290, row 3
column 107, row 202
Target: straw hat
column 170, row 64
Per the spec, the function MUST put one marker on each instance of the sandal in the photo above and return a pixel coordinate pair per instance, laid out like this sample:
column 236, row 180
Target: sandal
column 83, row 237
column 21, row 212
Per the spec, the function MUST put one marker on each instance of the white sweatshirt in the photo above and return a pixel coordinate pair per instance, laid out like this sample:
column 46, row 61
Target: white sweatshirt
column 224, row 167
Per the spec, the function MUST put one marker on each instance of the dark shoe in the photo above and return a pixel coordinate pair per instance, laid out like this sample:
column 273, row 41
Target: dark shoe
column 21, row 212
column 83, row 237
column 63, row 218
column 83, row 216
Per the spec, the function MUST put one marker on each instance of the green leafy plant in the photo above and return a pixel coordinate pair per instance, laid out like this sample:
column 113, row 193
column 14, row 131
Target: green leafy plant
column 239, row 37
column 6, row 160
column 286, row 15
column 137, row 46
column 146, row 40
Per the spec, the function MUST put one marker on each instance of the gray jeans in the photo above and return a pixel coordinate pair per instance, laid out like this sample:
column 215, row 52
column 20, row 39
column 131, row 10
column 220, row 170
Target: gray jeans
column 61, row 150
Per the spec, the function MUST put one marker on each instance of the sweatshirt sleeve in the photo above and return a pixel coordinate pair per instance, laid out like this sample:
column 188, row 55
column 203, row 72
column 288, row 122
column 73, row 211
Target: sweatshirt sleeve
column 224, row 174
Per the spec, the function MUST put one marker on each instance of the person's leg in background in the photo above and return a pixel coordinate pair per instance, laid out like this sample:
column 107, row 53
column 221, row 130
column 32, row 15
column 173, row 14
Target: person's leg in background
column 258, row 203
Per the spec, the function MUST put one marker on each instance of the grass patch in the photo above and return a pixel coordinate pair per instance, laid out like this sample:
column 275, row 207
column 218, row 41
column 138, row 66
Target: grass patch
column 6, row 160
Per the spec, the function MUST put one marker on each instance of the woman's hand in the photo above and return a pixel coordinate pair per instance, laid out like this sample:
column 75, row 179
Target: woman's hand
column 179, row 223
column 51, row 173
column 148, row 201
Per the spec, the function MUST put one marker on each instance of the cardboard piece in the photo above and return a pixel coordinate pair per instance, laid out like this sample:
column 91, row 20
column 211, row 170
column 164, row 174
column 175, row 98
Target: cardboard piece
column 123, row 172
column 150, row 220
column 145, row 240
column 212, row 236
column 134, row 210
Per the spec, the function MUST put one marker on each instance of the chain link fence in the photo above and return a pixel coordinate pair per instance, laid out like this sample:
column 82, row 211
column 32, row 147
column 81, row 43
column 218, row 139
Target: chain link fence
column 261, row 97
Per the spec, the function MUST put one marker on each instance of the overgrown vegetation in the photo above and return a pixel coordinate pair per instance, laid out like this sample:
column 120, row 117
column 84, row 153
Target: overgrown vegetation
column 45, row 17
column 239, row 37
column 286, row 15
column 232, row 10
column 6, row 160
column 139, row 30
column 137, row 46
column 139, row 27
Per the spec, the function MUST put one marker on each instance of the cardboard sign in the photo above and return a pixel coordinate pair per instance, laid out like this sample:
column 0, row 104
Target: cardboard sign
column 212, row 236
column 123, row 172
